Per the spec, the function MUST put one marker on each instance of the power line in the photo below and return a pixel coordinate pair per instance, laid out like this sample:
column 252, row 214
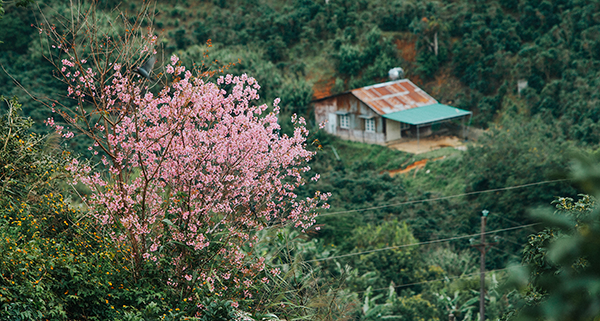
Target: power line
column 445, row 197
column 436, row 280
column 420, row 243
column 510, row 241
column 508, row 220
column 501, row 250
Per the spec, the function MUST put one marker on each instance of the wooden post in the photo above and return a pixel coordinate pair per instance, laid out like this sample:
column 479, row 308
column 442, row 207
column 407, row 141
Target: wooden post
column 482, row 269
column 435, row 43
column 482, row 247
column 400, row 129
column 469, row 125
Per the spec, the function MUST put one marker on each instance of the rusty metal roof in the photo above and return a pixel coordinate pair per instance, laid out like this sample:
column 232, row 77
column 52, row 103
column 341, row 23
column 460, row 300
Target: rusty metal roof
column 393, row 96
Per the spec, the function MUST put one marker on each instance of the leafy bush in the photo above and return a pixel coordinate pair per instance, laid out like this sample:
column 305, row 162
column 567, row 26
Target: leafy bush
column 562, row 259
column 55, row 261
column 217, row 310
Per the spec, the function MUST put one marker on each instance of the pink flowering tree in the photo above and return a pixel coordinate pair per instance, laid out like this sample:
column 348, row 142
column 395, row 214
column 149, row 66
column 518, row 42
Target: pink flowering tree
column 190, row 172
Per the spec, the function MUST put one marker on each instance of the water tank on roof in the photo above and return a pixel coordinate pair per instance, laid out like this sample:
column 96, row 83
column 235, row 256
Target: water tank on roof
column 396, row 73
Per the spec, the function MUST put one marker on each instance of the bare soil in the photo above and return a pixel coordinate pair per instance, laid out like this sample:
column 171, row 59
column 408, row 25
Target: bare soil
column 427, row 144
column 416, row 165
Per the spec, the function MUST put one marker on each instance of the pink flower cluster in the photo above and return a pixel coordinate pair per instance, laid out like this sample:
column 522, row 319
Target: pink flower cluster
column 195, row 165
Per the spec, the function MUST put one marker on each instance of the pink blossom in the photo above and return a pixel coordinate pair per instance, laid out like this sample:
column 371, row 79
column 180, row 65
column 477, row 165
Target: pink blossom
column 228, row 170
column 68, row 63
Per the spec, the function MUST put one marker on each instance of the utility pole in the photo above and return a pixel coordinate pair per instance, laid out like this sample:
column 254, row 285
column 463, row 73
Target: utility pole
column 482, row 247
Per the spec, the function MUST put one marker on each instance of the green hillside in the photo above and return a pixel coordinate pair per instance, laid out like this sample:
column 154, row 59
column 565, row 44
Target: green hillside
column 470, row 54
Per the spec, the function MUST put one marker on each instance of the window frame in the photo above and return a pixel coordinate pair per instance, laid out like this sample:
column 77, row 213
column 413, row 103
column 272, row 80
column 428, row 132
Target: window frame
column 370, row 126
column 345, row 121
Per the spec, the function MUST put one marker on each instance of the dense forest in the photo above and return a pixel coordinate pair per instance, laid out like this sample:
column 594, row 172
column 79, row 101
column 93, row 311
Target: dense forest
column 398, row 247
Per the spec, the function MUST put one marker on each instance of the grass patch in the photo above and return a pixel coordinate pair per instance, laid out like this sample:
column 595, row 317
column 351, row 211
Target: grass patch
column 442, row 176
column 380, row 157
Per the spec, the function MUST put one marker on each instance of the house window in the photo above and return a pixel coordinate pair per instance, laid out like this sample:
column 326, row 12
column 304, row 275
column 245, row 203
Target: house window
column 404, row 126
column 370, row 125
column 344, row 121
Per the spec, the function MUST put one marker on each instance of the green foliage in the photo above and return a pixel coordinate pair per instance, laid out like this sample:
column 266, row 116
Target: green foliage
column 562, row 259
column 432, row 35
column 316, row 290
column 366, row 60
column 16, row 3
column 399, row 265
column 464, row 300
column 350, row 60
column 452, row 262
column 457, row 305
column 24, row 170
column 55, row 263
column 16, row 34
column 22, row 60
column 487, row 45
column 515, row 152
column 412, row 308
column 44, row 252
column 217, row 310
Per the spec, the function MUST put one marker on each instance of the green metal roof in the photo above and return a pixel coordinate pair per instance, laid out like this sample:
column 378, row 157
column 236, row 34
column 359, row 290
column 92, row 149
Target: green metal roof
column 426, row 114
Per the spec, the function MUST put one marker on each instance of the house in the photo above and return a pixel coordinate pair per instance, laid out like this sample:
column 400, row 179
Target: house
column 382, row 113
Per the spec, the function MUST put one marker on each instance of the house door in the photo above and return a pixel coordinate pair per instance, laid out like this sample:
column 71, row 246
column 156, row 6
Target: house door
column 332, row 123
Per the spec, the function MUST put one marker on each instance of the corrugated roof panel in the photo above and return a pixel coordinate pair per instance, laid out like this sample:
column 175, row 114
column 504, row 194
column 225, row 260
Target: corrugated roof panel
column 396, row 101
column 417, row 97
column 373, row 93
column 427, row 114
column 409, row 86
column 387, row 104
column 426, row 95
column 383, row 91
column 383, row 105
column 399, row 88
column 393, row 96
